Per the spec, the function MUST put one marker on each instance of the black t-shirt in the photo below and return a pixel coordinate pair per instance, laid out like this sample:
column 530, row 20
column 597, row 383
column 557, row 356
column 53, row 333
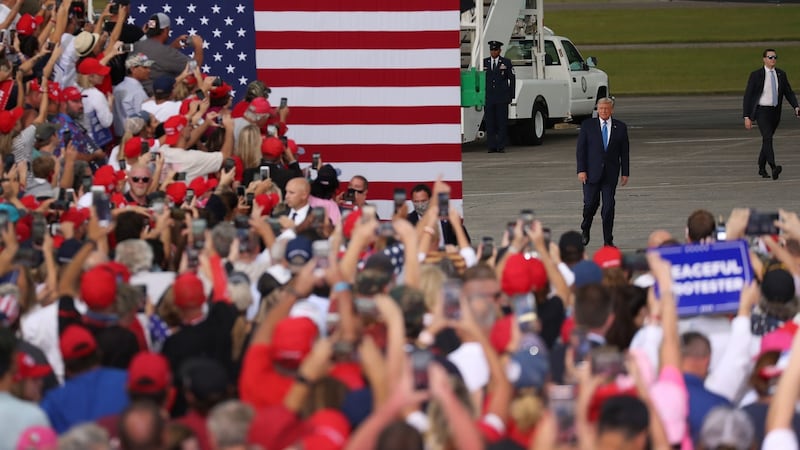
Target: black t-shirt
column 551, row 315
column 210, row 338
column 118, row 345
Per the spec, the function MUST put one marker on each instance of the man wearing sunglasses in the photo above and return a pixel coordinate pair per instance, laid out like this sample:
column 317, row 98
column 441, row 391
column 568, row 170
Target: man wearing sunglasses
column 763, row 98
column 138, row 182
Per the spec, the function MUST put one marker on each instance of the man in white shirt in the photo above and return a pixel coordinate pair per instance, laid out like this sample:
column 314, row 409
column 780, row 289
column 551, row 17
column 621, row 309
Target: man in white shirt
column 129, row 94
column 163, row 106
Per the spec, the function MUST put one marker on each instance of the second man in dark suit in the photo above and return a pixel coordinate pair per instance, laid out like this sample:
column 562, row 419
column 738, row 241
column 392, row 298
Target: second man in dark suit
column 501, row 87
column 602, row 152
column 763, row 98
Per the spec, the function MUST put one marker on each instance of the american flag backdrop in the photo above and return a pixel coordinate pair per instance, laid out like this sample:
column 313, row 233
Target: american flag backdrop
column 373, row 86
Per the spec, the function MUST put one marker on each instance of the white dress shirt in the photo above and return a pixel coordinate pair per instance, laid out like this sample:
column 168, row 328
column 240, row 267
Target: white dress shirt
column 766, row 93
column 299, row 215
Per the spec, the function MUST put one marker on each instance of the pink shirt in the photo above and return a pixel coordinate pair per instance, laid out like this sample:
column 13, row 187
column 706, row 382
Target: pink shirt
column 330, row 206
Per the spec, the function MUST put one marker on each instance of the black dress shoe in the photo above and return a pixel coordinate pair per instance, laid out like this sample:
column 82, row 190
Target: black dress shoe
column 776, row 171
column 492, row 150
column 763, row 173
column 585, row 237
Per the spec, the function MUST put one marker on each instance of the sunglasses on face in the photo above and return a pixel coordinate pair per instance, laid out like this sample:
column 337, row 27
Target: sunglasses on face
column 141, row 179
column 772, row 57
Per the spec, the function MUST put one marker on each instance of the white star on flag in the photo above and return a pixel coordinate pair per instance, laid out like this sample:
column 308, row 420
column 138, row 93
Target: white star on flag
column 217, row 57
column 229, row 45
column 241, row 32
column 191, row 31
column 215, row 9
column 242, row 81
column 205, row 68
column 205, row 45
column 240, row 8
column 230, row 68
column 204, row 20
column 179, row 20
column 167, row 9
column 216, row 32
column 191, row 8
column 228, row 21
column 242, row 56
column 142, row 9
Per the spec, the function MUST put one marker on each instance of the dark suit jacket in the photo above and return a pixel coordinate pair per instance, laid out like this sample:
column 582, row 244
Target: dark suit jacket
column 755, row 86
column 501, row 83
column 447, row 230
column 594, row 160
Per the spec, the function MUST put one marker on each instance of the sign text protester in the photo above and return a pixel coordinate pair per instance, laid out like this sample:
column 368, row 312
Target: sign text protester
column 708, row 278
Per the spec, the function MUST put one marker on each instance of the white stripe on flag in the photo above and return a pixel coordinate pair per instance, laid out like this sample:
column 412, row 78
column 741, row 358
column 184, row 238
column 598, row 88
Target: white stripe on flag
column 421, row 172
column 385, row 208
column 370, row 96
column 295, row 59
column 356, row 21
column 376, row 134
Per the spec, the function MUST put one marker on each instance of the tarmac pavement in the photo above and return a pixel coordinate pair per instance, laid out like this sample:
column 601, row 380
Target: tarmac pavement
column 687, row 153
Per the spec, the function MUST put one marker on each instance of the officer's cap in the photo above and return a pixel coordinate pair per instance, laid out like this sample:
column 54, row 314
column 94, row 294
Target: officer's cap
column 495, row 45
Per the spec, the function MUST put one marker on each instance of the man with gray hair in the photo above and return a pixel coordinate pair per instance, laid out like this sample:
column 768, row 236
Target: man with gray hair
column 137, row 256
column 227, row 425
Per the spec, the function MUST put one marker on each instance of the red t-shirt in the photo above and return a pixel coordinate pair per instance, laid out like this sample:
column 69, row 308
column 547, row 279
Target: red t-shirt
column 259, row 384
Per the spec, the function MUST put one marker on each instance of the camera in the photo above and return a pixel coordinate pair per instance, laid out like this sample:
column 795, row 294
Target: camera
column 229, row 165
column 444, row 204
column 527, row 219
column 761, row 223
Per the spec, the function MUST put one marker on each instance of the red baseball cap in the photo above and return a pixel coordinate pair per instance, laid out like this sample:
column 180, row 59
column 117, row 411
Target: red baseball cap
column 133, row 148
column 9, row 118
column 267, row 202
column 500, row 336
column 271, row 147
column 91, row 66
column 54, row 91
column 220, row 91
column 28, row 368
column 78, row 216
column 76, row 342
column 71, row 94
column 172, row 129
column 292, row 340
column 27, row 24
column 29, row 202
column 176, row 192
column 199, row 186
column 189, row 291
column 329, row 430
column 99, row 287
column 607, row 257
column 522, row 275
column 106, row 177
column 149, row 373
column 260, row 105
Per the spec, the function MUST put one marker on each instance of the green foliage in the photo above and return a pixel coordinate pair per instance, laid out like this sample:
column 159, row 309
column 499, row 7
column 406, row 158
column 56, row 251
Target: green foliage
column 690, row 24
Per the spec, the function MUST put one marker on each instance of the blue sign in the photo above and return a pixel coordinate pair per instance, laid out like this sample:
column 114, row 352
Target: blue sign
column 708, row 279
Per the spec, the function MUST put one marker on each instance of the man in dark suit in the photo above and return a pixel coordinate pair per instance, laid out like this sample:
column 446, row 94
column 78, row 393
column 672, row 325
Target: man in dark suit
column 500, row 90
column 763, row 98
column 602, row 151
column 420, row 197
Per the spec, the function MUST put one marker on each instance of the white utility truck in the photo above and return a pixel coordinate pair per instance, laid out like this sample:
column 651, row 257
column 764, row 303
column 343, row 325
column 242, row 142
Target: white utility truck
column 555, row 85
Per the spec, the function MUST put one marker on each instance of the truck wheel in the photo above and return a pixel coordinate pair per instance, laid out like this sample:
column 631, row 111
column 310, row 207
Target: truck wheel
column 536, row 125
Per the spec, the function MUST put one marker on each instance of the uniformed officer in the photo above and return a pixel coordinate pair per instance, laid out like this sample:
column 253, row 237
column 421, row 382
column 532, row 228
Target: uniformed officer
column 500, row 90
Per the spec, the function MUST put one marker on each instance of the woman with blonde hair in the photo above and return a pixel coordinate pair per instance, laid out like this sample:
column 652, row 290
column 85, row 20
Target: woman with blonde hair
column 247, row 153
column 97, row 116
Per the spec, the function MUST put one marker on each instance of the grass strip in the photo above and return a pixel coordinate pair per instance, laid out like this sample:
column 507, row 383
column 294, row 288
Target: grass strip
column 690, row 70
column 660, row 25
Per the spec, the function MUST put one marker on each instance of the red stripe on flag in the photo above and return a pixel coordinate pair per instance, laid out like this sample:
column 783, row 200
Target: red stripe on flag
column 361, row 77
column 384, row 190
column 352, row 115
column 383, row 153
column 363, row 40
column 355, row 5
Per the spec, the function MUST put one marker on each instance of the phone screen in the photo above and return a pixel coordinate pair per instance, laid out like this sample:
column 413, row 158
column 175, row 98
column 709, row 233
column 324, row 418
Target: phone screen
column 451, row 290
column 198, row 232
column 102, row 206
column 264, row 171
column 444, row 204
column 284, row 102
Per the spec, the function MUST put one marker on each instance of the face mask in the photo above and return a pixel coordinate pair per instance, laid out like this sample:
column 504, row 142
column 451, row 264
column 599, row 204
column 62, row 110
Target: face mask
column 421, row 207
